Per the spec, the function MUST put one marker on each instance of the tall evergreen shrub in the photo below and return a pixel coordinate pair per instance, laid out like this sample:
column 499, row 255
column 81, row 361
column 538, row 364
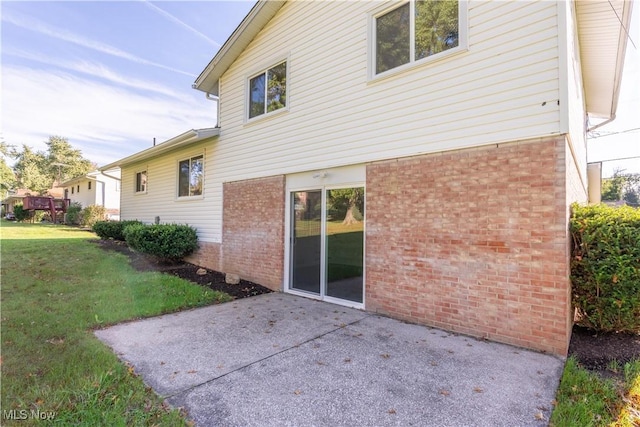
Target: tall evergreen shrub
column 605, row 267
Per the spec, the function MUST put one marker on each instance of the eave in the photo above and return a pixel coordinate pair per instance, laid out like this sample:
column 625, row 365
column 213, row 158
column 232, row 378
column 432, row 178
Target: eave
column 602, row 33
column 248, row 29
column 190, row 137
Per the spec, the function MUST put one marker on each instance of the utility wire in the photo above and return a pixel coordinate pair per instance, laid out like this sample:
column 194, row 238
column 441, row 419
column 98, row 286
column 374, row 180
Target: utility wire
column 597, row 135
column 622, row 25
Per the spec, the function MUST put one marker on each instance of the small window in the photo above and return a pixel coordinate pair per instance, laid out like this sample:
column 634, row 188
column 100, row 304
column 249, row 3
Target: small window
column 141, row 182
column 78, row 190
column 190, row 177
column 89, row 186
column 268, row 91
column 72, row 190
column 414, row 31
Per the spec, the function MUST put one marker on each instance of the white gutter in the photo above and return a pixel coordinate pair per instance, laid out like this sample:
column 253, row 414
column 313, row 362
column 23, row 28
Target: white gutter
column 189, row 137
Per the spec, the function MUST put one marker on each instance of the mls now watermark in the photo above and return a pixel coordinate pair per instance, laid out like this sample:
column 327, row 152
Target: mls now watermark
column 23, row 414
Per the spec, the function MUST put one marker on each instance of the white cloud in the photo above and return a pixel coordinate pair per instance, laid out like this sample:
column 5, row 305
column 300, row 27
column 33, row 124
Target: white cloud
column 105, row 122
column 96, row 70
column 32, row 24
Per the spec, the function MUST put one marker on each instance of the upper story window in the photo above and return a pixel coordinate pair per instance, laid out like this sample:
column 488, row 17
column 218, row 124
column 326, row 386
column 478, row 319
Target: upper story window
column 89, row 186
column 141, row 182
column 268, row 91
column 190, row 177
column 78, row 190
column 72, row 189
column 414, row 31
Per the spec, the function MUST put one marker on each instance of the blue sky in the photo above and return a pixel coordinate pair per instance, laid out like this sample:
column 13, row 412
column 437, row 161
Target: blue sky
column 112, row 75
column 109, row 76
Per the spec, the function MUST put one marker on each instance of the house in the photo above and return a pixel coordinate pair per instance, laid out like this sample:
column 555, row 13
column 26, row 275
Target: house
column 414, row 159
column 100, row 188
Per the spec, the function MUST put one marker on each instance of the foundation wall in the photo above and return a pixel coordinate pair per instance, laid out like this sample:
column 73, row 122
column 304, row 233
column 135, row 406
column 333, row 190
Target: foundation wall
column 474, row 241
column 253, row 230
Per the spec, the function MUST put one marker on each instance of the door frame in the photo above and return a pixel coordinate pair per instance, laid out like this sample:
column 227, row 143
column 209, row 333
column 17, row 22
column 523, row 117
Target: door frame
column 345, row 177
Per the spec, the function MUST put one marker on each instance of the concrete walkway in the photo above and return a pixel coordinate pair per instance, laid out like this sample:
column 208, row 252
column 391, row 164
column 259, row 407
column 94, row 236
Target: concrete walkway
column 282, row 360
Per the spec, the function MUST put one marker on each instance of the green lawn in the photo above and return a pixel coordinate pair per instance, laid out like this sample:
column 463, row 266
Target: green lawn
column 584, row 399
column 57, row 287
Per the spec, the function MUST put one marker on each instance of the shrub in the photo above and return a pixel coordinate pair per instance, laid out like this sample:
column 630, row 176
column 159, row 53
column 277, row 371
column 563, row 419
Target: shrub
column 20, row 213
column 170, row 242
column 73, row 214
column 605, row 267
column 112, row 229
column 92, row 214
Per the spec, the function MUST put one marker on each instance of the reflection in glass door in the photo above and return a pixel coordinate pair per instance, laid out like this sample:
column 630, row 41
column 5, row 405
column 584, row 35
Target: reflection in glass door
column 306, row 240
column 327, row 243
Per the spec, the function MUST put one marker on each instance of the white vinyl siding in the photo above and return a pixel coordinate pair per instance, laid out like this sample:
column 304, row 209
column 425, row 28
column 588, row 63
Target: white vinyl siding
column 574, row 118
column 494, row 92
column 161, row 197
column 505, row 87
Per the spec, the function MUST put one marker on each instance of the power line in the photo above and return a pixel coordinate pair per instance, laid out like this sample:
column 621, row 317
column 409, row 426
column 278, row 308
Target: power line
column 615, row 160
column 613, row 133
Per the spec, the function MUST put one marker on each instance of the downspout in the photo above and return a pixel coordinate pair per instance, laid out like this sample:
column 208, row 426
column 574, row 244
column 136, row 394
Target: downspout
column 216, row 99
column 609, row 120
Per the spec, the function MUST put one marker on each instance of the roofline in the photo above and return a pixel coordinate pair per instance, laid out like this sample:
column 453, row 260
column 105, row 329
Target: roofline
column 189, row 137
column 250, row 26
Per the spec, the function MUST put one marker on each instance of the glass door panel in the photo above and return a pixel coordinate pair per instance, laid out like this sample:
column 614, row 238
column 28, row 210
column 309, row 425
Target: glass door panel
column 345, row 243
column 306, row 240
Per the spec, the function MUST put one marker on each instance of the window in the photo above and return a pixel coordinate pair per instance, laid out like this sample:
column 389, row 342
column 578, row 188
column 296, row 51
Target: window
column 141, row 182
column 268, row 91
column 414, row 31
column 72, row 189
column 190, row 177
column 89, row 186
column 78, row 190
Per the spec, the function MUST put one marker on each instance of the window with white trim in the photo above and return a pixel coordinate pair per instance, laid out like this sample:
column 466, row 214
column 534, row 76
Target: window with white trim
column 191, row 176
column 414, row 31
column 141, row 182
column 267, row 91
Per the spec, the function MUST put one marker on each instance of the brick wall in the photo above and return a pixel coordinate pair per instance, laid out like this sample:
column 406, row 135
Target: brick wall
column 207, row 255
column 253, row 230
column 473, row 241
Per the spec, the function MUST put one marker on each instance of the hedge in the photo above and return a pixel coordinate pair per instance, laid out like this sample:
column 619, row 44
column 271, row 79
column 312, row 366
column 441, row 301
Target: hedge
column 169, row 242
column 112, row 229
column 605, row 267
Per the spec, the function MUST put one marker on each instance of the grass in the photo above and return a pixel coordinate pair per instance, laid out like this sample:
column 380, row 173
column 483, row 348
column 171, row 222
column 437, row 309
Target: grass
column 585, row 399
column 57, row 287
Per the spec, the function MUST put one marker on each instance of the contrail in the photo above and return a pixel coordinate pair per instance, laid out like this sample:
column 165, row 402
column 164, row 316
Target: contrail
column 180, row 22
column 42, row 28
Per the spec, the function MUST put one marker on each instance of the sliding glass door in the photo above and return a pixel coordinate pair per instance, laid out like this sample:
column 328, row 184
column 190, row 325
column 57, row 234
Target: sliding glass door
column 327, row 243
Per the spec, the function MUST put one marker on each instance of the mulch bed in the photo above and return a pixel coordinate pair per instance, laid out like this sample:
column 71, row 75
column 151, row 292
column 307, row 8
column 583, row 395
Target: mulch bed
column 202, row 276
column 594, row 351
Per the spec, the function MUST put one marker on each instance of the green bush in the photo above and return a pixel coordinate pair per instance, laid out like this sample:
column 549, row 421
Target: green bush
column 20, row 213
column 112, row 229
column 73, row 214
column 170, row 242
column 92, row 214
column 605, row 267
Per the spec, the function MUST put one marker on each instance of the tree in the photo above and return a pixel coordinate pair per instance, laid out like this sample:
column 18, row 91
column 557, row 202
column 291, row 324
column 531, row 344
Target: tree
column 38, row 171
column 65, row 162
column 8, row 179
column 348, row 202
column 622, row 186
column 31, row 170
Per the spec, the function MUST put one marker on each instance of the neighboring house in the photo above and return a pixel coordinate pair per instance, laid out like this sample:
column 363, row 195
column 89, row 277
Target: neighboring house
column 460, row 141
column 100, row 188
